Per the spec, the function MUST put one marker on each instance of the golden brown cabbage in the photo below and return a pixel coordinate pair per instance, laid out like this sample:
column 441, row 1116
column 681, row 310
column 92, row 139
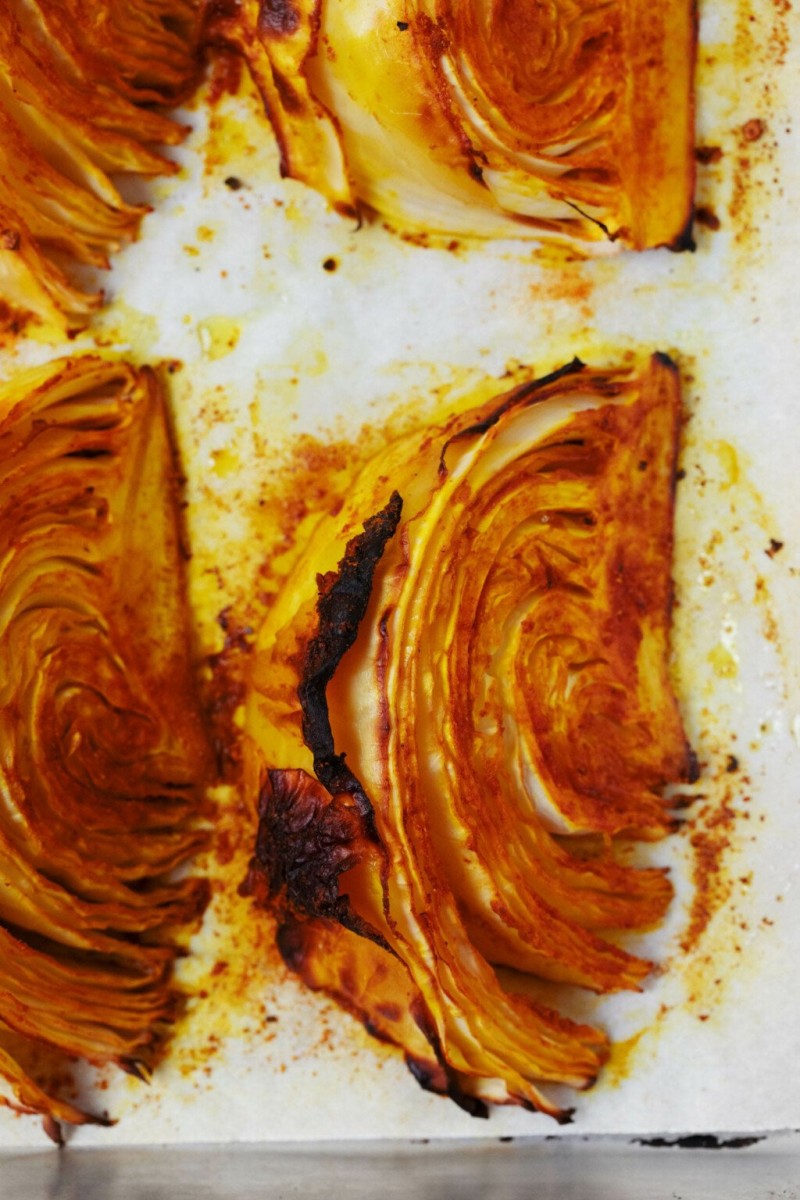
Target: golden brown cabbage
column 483, row 117
column 458, row 705
column 77, row 83
column 104, row 759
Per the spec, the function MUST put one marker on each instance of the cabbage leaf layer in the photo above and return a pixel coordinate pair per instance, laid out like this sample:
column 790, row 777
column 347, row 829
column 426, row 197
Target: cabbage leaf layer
column 483, row 117
column 460, row 705
column 77, row 88
column 104, row 758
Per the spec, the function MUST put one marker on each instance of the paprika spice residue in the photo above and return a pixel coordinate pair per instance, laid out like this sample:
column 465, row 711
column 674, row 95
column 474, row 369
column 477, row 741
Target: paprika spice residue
column 711, row 842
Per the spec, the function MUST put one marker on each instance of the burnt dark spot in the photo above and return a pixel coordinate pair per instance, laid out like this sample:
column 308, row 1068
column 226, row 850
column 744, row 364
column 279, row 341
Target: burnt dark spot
column 220, row 10
column 290, row 97
column 278, row 18
column 708, row 154
column 732, row 764
column 428, row 1075
column 774, row 547
column 402, row 26
column 306, row 839
column 707, row 217
column 233, row 183
column 291, row 944
column 700, row 1141
column 330, row 264
column 685, row 239
column 390, row 1012
column 753, row 130
column 470, row 1104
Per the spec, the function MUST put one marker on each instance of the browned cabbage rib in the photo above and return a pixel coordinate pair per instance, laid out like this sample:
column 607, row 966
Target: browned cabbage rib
column 483, row 117
column 103, row 755
column 77, row 83
column 458, row 704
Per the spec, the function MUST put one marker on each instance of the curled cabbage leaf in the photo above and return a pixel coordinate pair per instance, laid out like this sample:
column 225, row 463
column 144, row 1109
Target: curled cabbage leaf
column 77, row 87
column 483, row 117
column 459, row 706
column 104, row 759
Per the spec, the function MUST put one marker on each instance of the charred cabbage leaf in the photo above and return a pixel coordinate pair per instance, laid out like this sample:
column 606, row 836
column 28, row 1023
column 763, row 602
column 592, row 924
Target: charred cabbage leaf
column 483, row 117
column 104, row 759
column 459, row 706
column 77, row 88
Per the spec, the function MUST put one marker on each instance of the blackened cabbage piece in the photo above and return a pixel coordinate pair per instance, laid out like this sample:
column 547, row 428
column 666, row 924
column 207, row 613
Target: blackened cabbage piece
column 461, row 706
column 104, row 760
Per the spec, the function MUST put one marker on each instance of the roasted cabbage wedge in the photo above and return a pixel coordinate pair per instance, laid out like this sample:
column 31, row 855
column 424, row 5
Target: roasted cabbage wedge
column 77, row 88
column 483, row 118
column 104, row 759
column 460, row 704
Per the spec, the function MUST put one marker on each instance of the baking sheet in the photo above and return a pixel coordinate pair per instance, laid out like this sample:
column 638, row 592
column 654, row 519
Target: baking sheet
column 269, row 347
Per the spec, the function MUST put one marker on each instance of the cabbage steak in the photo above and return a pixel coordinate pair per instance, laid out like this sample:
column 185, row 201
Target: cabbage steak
column 461, row 709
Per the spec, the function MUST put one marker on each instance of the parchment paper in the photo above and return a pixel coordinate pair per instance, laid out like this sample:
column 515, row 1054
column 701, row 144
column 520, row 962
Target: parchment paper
column 230, row 283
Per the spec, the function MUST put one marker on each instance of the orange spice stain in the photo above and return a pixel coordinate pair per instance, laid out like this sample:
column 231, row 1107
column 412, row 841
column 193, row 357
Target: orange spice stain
column 226, row 75
column 570, row 284
column 759, row 51
column 234, row 137
column 621, row 1060
column 734, row 555
column 234, row 961
column 711, row 839
column 13, row 321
